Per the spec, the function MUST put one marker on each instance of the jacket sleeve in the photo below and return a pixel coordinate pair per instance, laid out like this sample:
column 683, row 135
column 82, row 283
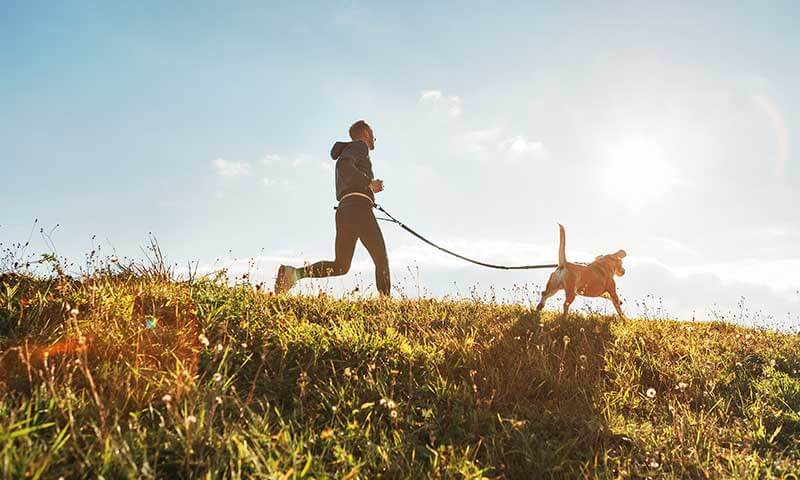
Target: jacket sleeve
column 347, row 168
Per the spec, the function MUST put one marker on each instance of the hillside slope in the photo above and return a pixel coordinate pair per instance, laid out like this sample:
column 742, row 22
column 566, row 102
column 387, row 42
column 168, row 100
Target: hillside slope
column 141, row 377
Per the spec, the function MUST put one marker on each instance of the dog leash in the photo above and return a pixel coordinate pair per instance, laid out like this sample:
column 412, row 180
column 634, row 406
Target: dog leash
column 462, row 257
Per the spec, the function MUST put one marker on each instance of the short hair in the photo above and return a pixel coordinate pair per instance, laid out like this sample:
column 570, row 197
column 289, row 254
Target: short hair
column 358, row 128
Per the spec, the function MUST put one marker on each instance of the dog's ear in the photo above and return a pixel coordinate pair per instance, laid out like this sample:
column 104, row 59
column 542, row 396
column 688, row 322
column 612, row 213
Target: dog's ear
column 621, row 254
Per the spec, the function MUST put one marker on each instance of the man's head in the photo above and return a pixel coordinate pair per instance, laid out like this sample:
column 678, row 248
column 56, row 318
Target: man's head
column 362, row 131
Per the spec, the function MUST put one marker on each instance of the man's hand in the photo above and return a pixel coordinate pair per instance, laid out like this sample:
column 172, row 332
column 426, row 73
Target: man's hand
column 376, row 186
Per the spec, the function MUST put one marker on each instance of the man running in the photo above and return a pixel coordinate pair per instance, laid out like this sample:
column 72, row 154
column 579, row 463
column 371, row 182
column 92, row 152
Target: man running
column 355, row 191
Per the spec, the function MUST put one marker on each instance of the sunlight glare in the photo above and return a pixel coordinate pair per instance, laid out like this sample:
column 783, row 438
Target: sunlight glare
column 636, row 173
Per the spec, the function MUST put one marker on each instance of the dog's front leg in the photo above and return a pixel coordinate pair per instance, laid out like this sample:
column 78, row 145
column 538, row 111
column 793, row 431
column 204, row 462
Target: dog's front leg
column 617, row 304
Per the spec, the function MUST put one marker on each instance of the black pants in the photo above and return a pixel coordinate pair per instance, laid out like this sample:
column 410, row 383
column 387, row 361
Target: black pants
column 354, row 222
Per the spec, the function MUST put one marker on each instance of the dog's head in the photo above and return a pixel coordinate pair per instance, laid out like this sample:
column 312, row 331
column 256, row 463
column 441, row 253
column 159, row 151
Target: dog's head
column 614, row 261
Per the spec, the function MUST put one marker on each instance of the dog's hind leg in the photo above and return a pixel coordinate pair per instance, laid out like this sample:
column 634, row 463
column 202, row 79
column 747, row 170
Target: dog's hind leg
column 549, row 291
column 545, row 295
column 568, row 301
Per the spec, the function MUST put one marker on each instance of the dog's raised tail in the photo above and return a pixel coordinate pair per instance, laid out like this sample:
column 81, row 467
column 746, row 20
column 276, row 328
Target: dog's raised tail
column 562, row 247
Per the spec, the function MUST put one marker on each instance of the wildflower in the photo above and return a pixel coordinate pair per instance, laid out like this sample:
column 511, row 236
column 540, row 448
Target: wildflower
column 219, row 347
column 583, row 358
column 348, row 373
column 190, row 420
column 166, row 398
column 651, row 392
column 566, row 340
column 218, row 400
column 334, row 409
column 393, row 414
column 583, row 330
column 74, row 312
column 653, row 464
column 326, row 434
column 383, row 402
column 391, row 405
column 244, row 345
column 203, row 340
column 682, row 385
column 217, row 377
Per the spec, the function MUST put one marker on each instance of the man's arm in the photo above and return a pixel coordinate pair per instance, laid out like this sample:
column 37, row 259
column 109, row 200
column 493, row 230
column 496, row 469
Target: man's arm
column 351, row 175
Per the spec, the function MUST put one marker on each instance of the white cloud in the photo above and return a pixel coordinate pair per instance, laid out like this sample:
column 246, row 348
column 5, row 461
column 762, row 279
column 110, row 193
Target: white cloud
column 451, row 104
column 271, row 182
column 454, row 106
column 430, row 96
column 492, row 141
column 226, row 168
column 780, row 275
column 272, row 158
column 521, row 146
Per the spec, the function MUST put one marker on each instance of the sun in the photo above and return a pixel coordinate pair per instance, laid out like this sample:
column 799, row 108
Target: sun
column 637, row 172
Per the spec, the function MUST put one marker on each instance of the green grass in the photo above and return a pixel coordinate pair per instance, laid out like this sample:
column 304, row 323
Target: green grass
column 234, row 383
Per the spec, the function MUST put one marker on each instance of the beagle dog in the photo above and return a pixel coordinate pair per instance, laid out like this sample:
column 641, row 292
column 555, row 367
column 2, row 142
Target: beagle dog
column 593, row 280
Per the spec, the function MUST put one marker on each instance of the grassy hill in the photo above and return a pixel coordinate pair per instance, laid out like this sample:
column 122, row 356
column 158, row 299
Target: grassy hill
column 136, row 376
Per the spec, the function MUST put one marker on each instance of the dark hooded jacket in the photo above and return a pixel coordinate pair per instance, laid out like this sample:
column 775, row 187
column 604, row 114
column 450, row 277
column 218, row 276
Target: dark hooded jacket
column 353, row 169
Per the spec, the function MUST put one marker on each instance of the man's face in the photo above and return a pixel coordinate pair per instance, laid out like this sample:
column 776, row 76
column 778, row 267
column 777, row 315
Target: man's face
column 370, row 139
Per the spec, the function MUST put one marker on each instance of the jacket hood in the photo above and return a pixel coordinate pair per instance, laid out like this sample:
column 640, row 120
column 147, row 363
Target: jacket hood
column 339, row 147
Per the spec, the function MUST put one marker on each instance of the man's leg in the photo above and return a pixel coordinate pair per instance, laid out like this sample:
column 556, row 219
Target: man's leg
column 346, row 236
column 370, row 234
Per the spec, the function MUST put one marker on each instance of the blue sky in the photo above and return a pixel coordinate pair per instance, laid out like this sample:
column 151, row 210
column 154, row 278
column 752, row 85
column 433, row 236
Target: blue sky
column 667, row 130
